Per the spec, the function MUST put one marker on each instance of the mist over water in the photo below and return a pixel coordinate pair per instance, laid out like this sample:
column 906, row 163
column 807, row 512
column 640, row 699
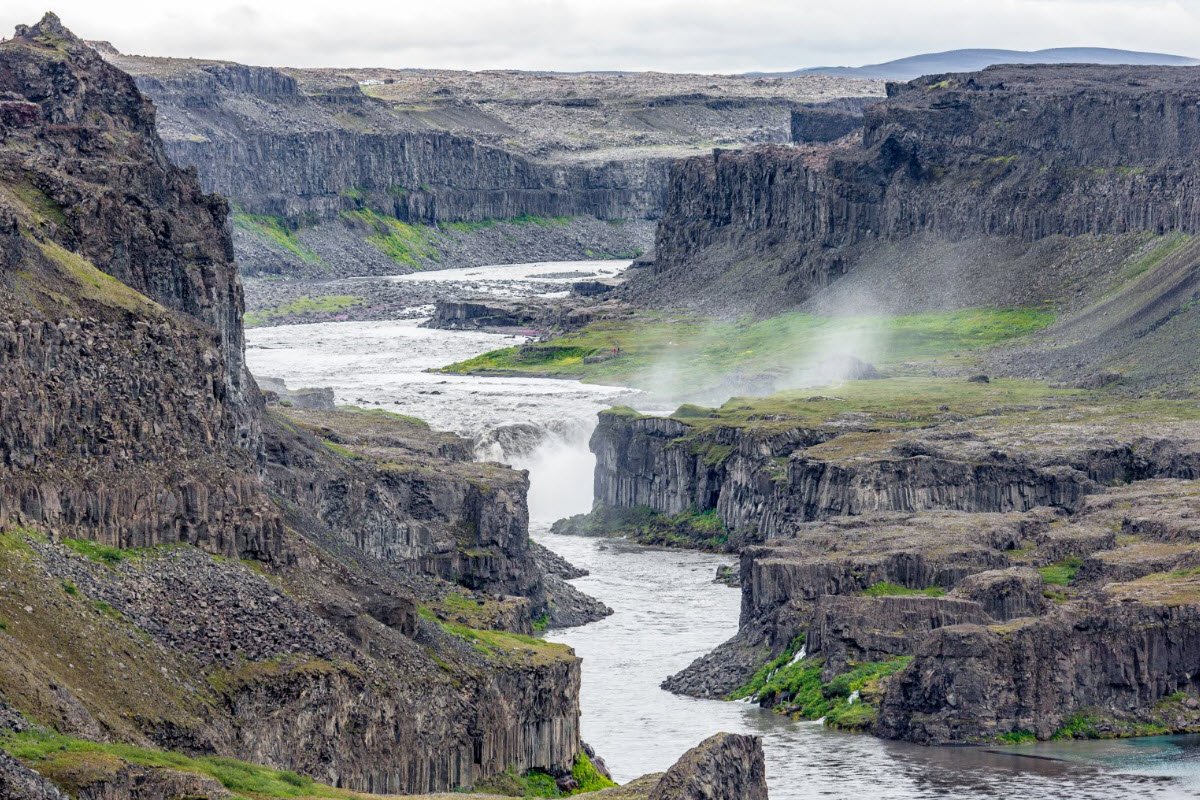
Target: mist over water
column 668, row 609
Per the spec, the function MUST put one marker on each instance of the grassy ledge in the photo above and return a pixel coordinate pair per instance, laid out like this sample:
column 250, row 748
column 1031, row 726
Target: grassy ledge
column 72, row 764
column 794, row 687
column 302, row 306
column 673, row 352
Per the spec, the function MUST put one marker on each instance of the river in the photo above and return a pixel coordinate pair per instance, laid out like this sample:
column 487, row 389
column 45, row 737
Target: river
column 667, row 608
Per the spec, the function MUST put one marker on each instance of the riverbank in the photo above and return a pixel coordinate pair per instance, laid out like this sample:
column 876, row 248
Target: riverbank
column 668, row 610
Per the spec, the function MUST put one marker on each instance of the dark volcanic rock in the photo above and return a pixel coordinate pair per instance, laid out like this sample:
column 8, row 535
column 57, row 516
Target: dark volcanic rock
column 127, row 412
column 970, row 682
column 127, row 420
column 993, row 184
column 1006, row 593
column 723, row 767
column 847, row 630
column 18, row 782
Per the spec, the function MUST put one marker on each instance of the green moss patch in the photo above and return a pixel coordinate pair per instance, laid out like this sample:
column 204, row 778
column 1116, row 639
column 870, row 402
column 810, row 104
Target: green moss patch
column 100, row 553
column 795, row 688
column 301, row 307
column 885, row 589
column 276, row 231
column 411, row 245
column 512, row 647
column 540, row 784
column 72, row 763
column 1062, row 572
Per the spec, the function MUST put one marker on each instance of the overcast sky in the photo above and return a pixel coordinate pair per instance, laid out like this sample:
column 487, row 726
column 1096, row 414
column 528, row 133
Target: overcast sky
column 668, row 35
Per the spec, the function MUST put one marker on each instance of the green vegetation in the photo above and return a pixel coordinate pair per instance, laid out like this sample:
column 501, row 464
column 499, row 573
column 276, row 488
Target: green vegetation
column 589, row 778
column 660, row 350
column 891, row 404
column 1017, row 737
column 100, row 553
column 385, row 414
column 885, row 589
column 411, row 245
column 341, row 450
column 768, row 670
column 44, row 209
column 541, row 623
column 73, row 763
column 504, row 646
column 690, row 528
column 70, row 588
column 1001, row 160
column 275, row 230
column 301, row 306
column 469, row 227
column 539, row 784
column 1080, row 726
column 1062, row 572
column 96, row 285
column 848, row 701
column 1160, row 250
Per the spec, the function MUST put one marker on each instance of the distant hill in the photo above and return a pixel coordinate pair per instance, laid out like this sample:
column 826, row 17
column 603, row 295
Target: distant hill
column 904, row 69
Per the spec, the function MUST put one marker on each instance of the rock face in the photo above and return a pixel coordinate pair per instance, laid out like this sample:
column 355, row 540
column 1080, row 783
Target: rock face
column 434, row 146
column 409, row 497
column 128, row 414
column 18, row 782
column 961, row 180
column 348, row 646
column 971, row 683
column 487, row 313
column 828, row 121
column 854, row 630
column 768, row 479
column 1008, row 571
column 723, row 767
column 277, row 392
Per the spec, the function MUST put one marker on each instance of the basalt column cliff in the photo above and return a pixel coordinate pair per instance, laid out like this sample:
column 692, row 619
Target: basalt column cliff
column 335, row 594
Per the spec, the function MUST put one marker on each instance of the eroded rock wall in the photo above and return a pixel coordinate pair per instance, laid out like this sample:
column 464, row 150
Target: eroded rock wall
column 1010, row 154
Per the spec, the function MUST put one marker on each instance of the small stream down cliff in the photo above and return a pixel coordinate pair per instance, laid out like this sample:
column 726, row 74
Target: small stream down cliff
column 668, row 610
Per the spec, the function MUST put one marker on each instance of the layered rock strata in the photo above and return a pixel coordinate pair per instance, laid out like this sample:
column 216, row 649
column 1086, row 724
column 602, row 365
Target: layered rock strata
column 1026, row 182
column 375, row 656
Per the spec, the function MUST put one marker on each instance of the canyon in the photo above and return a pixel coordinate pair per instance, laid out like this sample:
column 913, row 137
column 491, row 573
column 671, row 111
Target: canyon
column 943, row 550
column 376, row 171
column 916, row 356
column 193, row 577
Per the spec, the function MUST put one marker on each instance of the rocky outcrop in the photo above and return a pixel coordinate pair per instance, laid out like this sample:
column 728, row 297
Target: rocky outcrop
column 488, row 313
column 828, row 121
column 407, row 496
column 18, row 782
column 963, row 181
column 723, row 767
column 128, row 415
column 766, row 479
column 854, row 630
column 276, row 392
column 1006, row 594
column 363, row 641
column 973, row 683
